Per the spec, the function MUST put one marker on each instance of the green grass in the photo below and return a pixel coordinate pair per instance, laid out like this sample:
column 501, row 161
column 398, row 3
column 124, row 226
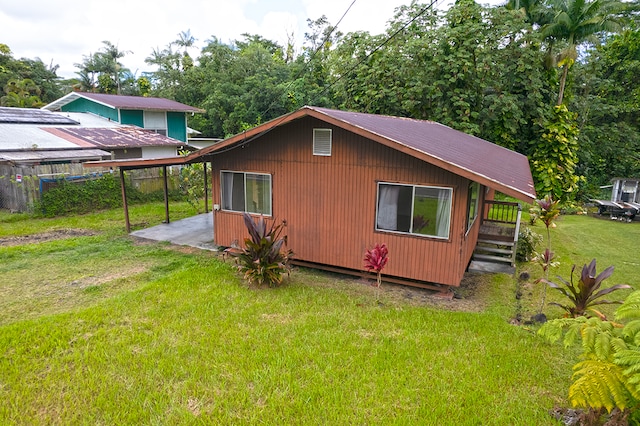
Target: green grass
column 101, row 329
column 577, row 240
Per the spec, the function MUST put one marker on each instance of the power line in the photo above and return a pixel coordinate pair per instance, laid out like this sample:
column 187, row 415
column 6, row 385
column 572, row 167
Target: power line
column 377, row 48
column 313, row 54
column 380, row 46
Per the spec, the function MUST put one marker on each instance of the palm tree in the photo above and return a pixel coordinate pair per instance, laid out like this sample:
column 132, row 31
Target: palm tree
column 578, row 22
column 108, row 61
column 535, row 12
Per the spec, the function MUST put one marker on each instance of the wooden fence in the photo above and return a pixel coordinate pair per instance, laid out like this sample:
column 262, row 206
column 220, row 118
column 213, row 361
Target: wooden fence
column 21, row 186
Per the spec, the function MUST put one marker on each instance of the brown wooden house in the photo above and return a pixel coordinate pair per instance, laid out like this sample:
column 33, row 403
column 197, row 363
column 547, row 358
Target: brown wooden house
column 344, row 181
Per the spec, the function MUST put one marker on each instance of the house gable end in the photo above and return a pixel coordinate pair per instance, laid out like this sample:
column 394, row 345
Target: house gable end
column 87, row 105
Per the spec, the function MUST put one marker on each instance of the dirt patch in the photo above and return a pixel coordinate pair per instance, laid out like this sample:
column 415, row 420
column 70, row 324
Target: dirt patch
column 109, row 277
column 467, row 297
column 43, row 237
column 464, row 298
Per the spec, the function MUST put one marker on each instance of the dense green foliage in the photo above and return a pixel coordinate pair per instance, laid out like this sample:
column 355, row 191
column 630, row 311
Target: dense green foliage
column 87, row 195
column 494, row 72
column 27, row 82
column 554, row 159
column 608, row 374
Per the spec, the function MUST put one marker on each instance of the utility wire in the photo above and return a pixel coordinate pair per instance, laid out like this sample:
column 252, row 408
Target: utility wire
column 326, row 89
column 313, row 54
column 380, row 46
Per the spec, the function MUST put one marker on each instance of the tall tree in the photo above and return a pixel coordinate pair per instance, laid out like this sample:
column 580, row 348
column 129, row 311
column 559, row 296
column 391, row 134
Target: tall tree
column 39, row 75
column 109, row 61
column 576, row 23
column 102, row 71
column 608, row 106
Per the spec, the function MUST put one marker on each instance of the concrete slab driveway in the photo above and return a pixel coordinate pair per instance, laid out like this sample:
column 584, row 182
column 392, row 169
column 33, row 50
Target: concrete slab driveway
column 195, row 231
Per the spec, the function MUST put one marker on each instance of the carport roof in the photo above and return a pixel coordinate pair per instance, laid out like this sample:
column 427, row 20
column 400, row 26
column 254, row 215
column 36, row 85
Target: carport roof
column 53, row 155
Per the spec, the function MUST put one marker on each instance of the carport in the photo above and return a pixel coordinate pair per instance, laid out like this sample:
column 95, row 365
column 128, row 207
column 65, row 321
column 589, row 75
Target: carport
column 133, row 164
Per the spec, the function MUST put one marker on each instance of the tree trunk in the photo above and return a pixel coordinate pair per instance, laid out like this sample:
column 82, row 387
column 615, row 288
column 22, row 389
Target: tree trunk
column 563, row 82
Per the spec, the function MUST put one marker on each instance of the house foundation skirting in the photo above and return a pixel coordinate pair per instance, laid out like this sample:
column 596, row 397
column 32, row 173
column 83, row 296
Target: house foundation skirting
column 444, row 289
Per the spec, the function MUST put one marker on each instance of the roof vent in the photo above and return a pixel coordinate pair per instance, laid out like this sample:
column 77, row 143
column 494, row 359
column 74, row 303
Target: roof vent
column 322, row 142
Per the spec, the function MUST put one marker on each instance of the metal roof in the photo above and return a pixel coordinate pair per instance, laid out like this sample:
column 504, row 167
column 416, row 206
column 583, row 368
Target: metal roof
column 123, row 102
column 15, row 137
column 461, row 151
column 466, row 155
column 87, row 119
column 53, row 155
column 32, row 116
column 120, row 137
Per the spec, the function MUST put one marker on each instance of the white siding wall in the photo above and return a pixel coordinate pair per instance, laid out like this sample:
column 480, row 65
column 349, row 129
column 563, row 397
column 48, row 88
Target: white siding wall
column 159, row 151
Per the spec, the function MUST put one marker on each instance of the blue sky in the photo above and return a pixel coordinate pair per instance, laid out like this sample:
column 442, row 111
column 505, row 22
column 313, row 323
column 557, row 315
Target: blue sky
column 62, row 31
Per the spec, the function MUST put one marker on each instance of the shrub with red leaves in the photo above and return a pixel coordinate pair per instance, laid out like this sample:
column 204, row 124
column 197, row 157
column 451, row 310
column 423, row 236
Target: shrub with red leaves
column 376, row 259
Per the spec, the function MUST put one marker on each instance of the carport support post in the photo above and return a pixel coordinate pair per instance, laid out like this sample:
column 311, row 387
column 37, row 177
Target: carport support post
column 166, row 194
column 124, row 202
column 206, row 188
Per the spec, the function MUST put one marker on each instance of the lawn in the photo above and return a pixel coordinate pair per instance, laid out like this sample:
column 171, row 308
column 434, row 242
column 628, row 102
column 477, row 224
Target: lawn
column 98, row 328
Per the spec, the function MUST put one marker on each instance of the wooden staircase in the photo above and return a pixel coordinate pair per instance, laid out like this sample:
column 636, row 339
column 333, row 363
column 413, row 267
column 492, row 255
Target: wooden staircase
column 498, row 238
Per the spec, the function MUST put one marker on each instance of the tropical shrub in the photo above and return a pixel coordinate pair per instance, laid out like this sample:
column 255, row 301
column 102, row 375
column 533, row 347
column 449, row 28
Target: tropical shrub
column 586, row 293
column 547, row 211
column 608, row 375
column 376, row 259
column 263, row 260
column 192, row 182
column 528, row 240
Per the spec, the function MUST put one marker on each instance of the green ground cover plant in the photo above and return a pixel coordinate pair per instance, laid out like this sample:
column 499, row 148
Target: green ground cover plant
column 116, row 331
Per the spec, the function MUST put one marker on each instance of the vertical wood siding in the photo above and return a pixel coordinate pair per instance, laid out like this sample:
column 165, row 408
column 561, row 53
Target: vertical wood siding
column 329, row 203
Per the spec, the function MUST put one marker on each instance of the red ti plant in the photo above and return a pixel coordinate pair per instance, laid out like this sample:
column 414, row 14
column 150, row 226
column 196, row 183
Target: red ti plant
column 375, row 260
column 546, row 261
column 585, row 293
column 549, row 211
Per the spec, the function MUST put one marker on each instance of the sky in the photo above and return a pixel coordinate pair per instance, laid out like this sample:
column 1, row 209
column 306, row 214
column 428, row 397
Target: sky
column 61, row 32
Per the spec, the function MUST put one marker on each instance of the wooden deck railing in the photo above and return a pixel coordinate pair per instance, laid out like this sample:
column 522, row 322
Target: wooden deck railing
column 501, row 212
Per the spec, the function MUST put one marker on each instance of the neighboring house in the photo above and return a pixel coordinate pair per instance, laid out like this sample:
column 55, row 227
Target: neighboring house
column 163, row 116
column 624, row 203
column 38, row 145
column 344, row 181
column 195, row 141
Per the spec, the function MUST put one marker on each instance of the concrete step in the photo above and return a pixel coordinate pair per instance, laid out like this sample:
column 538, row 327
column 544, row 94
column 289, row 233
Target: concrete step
column 478, row 266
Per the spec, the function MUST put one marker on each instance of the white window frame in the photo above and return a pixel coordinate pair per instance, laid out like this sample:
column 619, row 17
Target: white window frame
column 413, row 196
column 323, row 150
column 244, row 182
column 472, row 220
column 152, row 124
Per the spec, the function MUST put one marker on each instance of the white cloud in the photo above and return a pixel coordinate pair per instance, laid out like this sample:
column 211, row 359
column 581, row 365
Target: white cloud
column 63, row 31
